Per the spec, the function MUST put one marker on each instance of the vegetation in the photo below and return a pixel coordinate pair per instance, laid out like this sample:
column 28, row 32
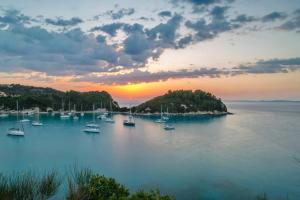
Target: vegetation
column 182, row 101
column 43, row 98
column 29, row 186
column 81, row 185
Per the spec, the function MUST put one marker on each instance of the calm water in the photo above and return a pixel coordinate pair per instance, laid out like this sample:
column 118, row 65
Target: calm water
column 232, row 157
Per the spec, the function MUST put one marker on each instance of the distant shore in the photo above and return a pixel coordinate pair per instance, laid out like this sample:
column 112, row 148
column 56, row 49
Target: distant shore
column 199, row 113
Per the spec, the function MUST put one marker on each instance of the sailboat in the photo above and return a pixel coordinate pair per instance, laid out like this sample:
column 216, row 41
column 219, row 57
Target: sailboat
column 110, row 119
column 130, row 121
column 103, row 115
column 166, row 118
column 82, row 113
column 92, row 127
column 168, row 127
column 37, row 122
column 16, row 131
column 161, row 120
column 70, row 113
column 62, row 114
column 24, row 120
column 3, row 114
column 75, row 117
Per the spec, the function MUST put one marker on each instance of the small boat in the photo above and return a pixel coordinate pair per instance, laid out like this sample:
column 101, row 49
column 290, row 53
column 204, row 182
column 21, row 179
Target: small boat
column 82, row 113
column 62, row 114
column 92, row 130
column 169, row 127
column 3, row 115
column 161, row 120
column 92, row 127
column 37, row 122
column 76, row 117
column 24, row 120
column 16, row 131
column 166, row 118
column 102, row 117
column 130, row 121
column 110, row 119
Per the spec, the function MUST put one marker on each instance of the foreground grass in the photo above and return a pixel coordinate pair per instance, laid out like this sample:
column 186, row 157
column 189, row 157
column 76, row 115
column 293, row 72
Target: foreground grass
column 81, row 185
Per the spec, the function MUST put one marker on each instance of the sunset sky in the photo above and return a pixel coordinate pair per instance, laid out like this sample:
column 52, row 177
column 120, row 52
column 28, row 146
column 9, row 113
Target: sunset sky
column 236, row 49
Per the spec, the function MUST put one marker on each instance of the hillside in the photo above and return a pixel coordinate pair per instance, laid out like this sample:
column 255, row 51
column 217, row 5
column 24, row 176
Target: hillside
column 182, row 101
column 29, row 96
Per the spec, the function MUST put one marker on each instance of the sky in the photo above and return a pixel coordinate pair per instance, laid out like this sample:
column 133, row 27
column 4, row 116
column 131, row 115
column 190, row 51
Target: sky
column 235, row 49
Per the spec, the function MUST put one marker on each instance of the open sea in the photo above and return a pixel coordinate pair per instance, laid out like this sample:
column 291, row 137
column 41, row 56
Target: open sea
column 233, row 157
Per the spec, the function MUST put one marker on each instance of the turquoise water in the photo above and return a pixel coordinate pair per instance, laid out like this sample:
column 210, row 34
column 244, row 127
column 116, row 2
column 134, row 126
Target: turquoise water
column 232, row 157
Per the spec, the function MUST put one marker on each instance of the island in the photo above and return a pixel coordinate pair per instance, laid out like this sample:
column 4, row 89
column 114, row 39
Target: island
column 183, row 101
column 173, row 102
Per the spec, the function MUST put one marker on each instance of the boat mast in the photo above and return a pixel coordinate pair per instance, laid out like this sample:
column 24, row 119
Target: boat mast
column 17, row 110
column 69, row 106
column 93, row 112
column 62, row 105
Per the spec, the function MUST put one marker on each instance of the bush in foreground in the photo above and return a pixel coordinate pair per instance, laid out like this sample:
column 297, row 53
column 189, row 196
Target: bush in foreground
column 81, row 185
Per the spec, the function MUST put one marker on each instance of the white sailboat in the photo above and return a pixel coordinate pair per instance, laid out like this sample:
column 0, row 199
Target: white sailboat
column 70, row 113
column 92, row 127
column 161, row 120
column 37, row 122
column 82, row 113
column 16, row 131
column 75, row 117
column 62, row 114
column 3, row 115
column 168, row 127
column 110, row 119
column 166, row 118
column 24, row 120
column 103, row 115
column 130, row 121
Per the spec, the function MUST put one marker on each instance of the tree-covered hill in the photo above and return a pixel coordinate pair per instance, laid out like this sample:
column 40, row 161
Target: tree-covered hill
column 29, row 97
column 182, row 101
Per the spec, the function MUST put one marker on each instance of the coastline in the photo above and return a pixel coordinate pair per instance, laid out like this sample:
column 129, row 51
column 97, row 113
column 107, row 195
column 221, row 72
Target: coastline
column 199, row 113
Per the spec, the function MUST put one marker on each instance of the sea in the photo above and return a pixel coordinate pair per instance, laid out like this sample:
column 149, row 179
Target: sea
column 255, row 151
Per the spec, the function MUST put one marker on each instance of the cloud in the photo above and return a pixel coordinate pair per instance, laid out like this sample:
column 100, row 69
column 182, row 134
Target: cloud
column 201, row 5
column 269, row 66
column 244, row 19
column 274, row 16
column 139, row 76
column 66, row 53
column 196, row 2
column 27, row 45
column 12, row 16
column 110, row 29
column 142, row 44
column 165, row 33
column 293, row 23
column 64, row 22
column 120, row 13
column 165, row 13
